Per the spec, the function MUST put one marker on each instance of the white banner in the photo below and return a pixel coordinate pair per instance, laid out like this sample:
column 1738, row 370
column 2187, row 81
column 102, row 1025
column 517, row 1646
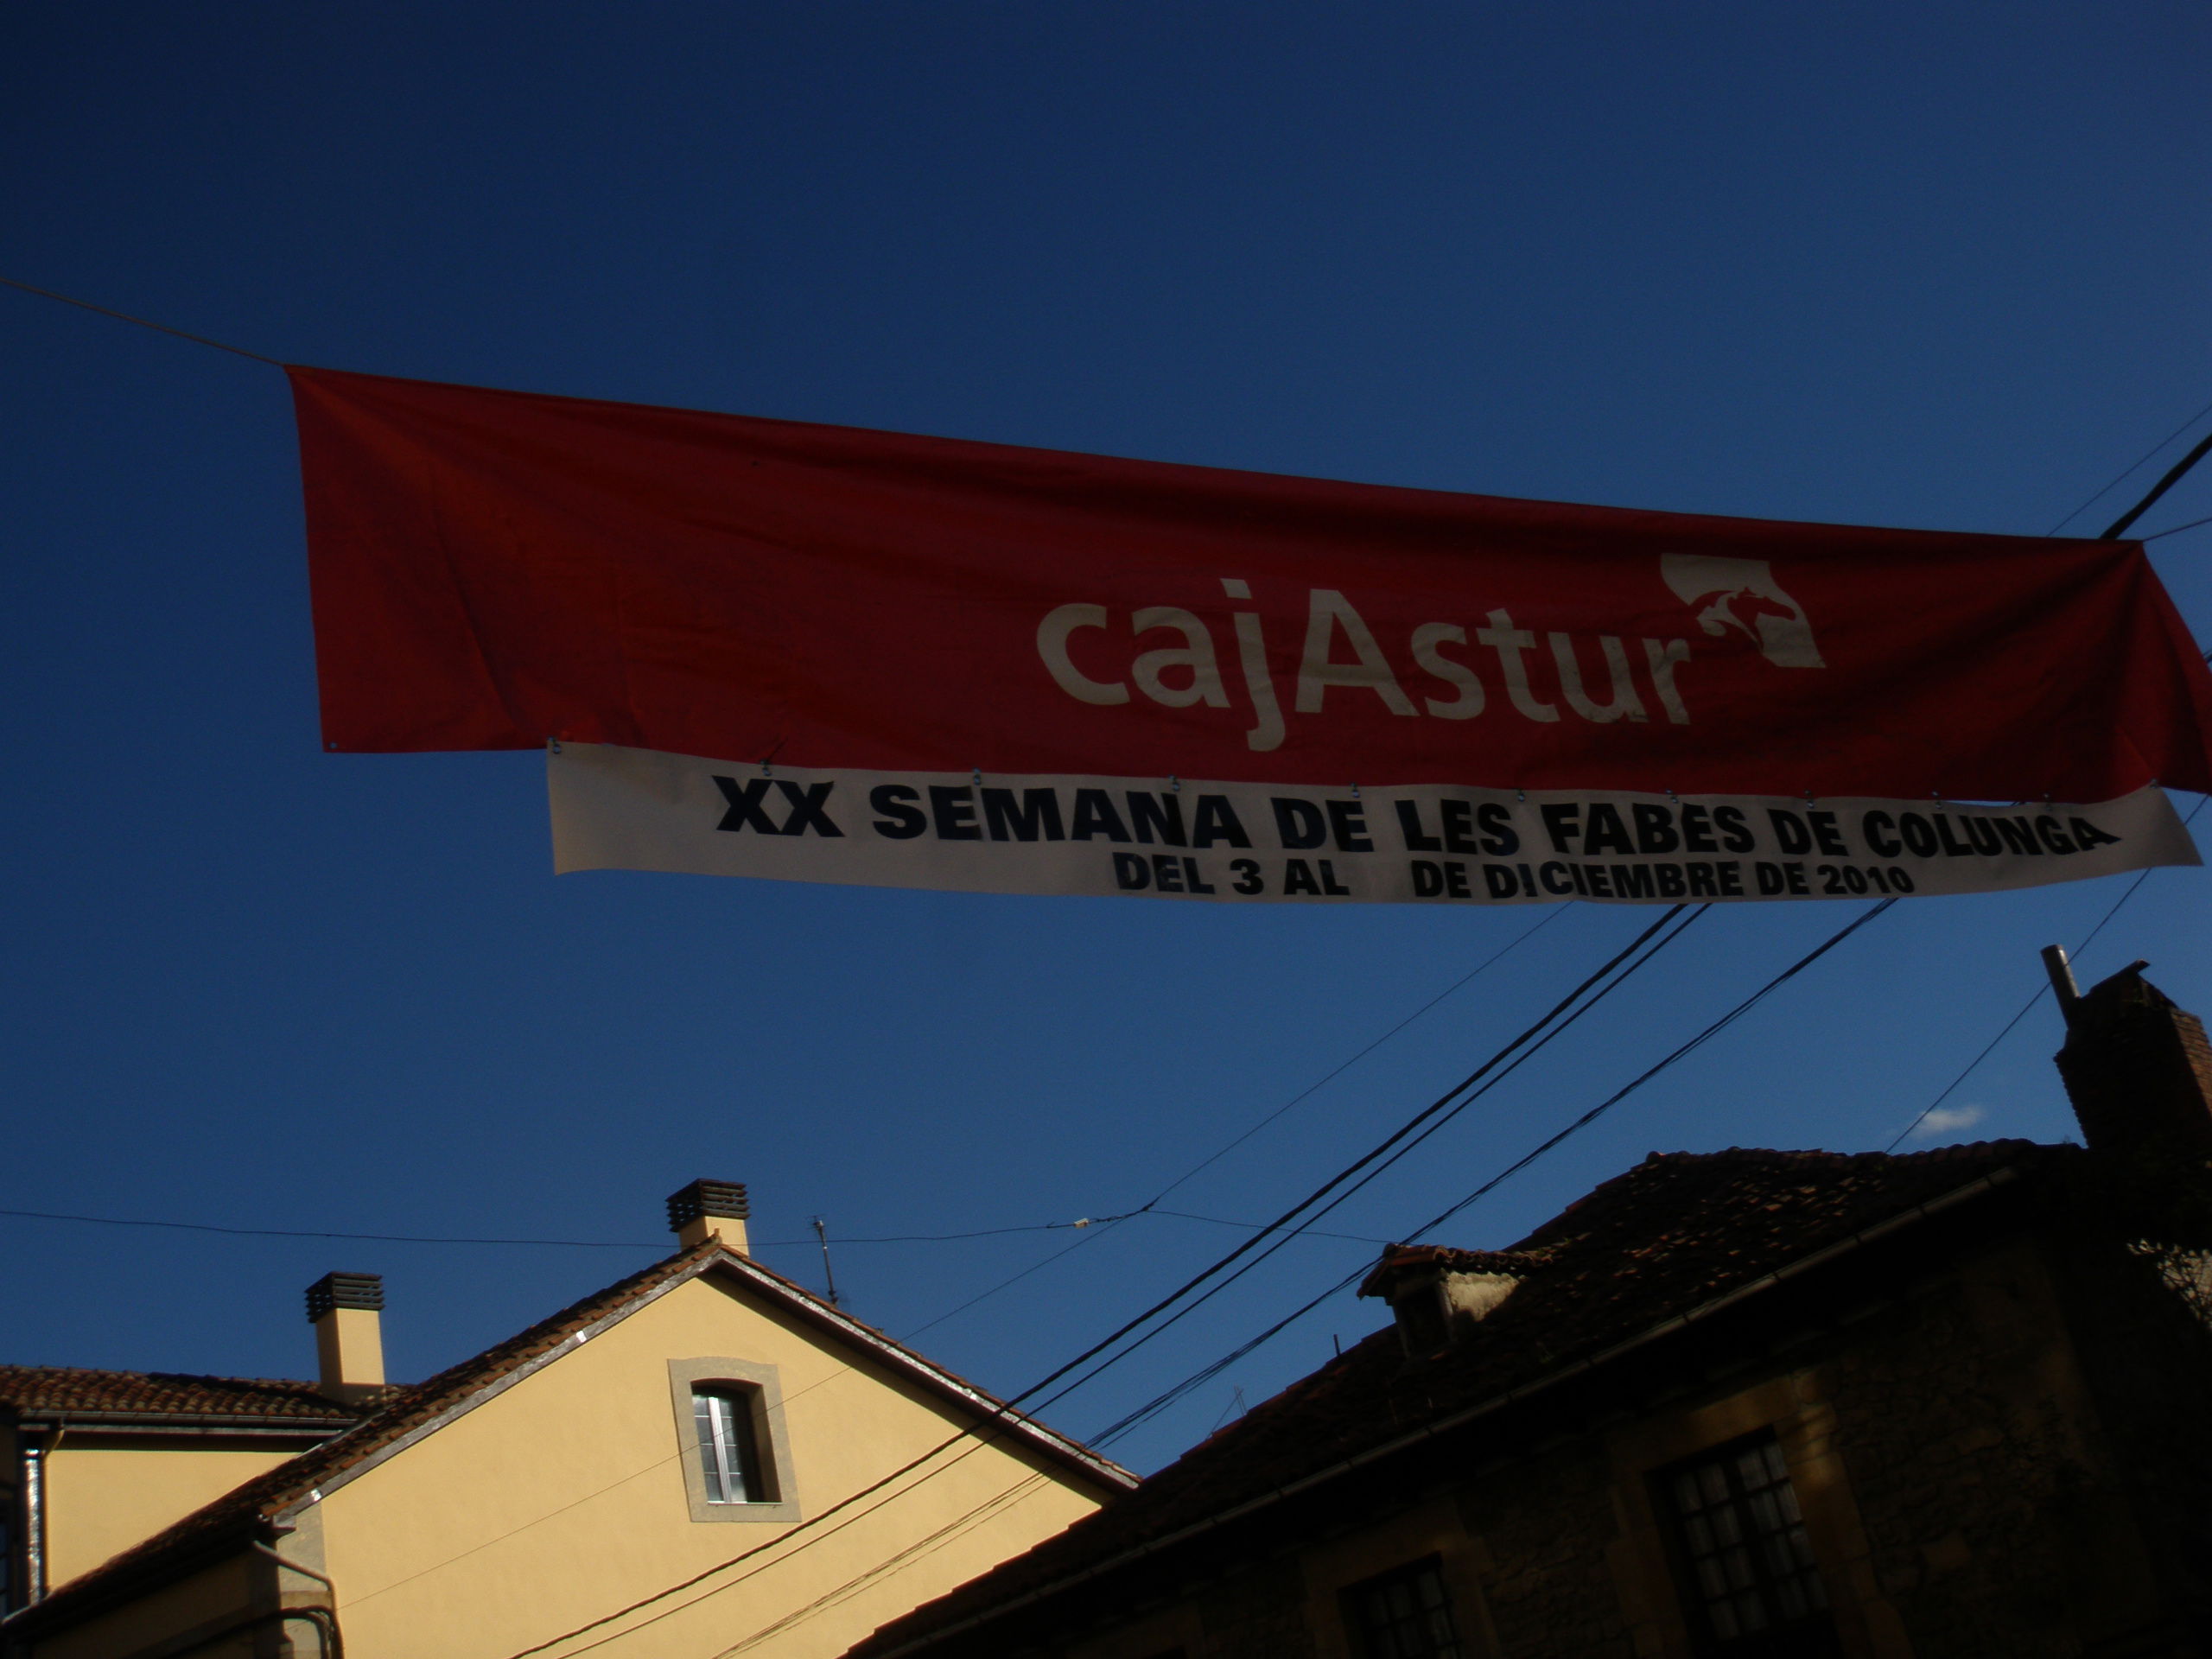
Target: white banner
column 1257, row 843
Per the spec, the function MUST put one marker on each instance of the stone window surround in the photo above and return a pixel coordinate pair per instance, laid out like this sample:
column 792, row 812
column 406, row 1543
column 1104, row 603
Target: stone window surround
column 685, row 1376
column 1792, row 1408
column 1429, row 1529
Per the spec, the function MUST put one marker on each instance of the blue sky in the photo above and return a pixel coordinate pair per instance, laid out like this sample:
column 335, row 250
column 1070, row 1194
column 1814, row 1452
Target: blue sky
column 1933, row 265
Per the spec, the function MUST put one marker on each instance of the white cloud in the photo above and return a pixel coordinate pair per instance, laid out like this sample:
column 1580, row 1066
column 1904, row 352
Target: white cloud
column 1944, row 1119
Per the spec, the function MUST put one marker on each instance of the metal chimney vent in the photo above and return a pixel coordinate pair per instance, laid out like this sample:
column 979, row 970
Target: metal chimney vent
column 337, row 1290
column 725, row 1198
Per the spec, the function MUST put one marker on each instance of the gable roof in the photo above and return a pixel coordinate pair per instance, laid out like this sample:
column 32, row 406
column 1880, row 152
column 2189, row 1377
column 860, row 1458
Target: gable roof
column 270, row 1499
column 57, row 1393
column 1659, row 1246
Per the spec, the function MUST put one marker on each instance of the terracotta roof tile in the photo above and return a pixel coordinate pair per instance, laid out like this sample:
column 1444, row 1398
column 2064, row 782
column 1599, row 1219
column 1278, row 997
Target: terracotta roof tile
column 56, row 1389
column 1670, row 1235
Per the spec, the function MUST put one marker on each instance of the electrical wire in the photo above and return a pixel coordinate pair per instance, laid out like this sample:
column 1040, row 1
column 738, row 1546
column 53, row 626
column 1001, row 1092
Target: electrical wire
column 1082, row 1223
column 1373, row 1173
column 124, row 316
column 1144, row 1413
column 2160, row 535
column 2173, row 476
column 1552, row 914
column 2130, row 470
column 660, row 1245
column 1379, row 1150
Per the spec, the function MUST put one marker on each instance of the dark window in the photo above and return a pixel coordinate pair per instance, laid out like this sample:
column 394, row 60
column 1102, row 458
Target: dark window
column 729, row 1443
column 7, row 1553
column 1749, row 1584
column 1403, row 1615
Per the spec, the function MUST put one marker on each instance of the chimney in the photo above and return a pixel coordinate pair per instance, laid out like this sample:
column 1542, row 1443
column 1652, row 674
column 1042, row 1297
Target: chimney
column 1438, row 1295
column 708, row 1210
column 2138, row 1069
column 346, row 1310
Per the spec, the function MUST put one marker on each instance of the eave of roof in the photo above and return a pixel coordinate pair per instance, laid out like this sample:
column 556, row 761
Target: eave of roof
column 41, row 1397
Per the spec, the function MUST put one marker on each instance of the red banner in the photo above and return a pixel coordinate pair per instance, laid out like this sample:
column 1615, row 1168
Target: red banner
column 497, row 570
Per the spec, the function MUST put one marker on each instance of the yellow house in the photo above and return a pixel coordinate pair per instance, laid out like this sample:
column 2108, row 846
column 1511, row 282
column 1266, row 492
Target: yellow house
column 701, row 1459
column 92, row 1462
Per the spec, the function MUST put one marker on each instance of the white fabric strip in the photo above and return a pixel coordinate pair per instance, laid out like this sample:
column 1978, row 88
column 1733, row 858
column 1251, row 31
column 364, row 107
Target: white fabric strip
column 1258, row 843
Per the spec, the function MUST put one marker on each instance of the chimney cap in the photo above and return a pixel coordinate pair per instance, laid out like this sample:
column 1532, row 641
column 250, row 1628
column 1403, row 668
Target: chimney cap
column 337, row 1290
column 725, row 1198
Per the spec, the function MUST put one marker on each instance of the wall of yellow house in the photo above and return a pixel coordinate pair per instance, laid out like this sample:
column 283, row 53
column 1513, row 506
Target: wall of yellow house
column 101, row 1497
column 563, row 1498
column 202, row 1603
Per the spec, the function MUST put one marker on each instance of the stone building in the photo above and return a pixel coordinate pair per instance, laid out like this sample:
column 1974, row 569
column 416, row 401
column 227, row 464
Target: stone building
column 1740, row 1404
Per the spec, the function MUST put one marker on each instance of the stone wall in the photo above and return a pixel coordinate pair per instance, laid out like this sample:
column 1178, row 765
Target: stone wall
column 1260, row 1613
column 1545, row 1532
column 2002, row 1449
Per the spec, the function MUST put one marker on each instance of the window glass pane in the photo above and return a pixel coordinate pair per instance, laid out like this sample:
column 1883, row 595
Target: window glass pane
column 710, row 1457
column 729, row 1459
column 1748, row 1572
column 1405, row 1615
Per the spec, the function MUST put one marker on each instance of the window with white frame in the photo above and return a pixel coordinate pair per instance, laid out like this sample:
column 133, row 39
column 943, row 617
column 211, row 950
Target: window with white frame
column 728, row 1415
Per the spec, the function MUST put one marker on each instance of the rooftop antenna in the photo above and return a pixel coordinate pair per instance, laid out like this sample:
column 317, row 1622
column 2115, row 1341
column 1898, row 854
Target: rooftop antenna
column 821, row 1233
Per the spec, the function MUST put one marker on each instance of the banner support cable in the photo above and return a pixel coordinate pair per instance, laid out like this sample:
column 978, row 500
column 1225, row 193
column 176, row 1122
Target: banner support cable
column 2173, row 475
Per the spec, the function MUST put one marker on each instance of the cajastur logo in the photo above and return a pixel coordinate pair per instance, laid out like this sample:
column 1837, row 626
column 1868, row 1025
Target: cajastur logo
column 1742, row 594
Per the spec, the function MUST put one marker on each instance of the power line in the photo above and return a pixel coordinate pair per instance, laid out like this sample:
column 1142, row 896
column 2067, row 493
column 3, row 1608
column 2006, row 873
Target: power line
column 661, row 1245
column 2161, row 534
column 1551, row 915
column 1124, row 1424
column 1343, row 1196
column 562, row 1243
column 1079, row 1224
column 2174, row 474
column 124, row 316
column 2129, row 470
column 1379, row 1150
column 287, row 1232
